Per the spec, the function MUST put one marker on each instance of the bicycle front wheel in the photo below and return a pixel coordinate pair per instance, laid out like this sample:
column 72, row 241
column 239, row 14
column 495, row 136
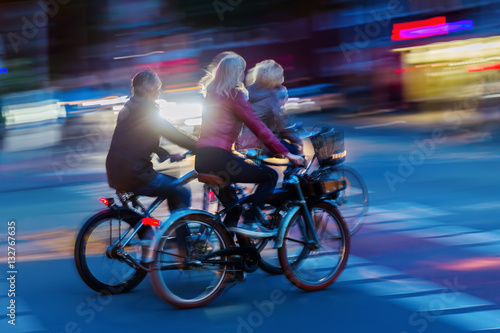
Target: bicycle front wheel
column 186, row 275
column 306, row 266
column 101, row 271
column 353, row 201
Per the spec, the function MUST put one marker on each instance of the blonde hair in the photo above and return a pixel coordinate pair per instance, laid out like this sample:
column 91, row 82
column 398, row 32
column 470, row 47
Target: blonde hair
column 267, row 74
column 226, row 79
column 210, row 71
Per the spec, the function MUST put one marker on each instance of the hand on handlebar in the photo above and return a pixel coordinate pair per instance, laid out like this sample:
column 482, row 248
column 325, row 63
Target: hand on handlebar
column 295, row 159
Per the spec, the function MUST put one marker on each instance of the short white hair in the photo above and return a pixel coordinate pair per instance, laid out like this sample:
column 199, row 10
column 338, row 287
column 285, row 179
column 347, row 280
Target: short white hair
column 144, row 82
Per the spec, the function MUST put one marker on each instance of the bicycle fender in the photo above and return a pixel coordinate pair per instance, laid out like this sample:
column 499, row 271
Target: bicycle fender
column 283, row 225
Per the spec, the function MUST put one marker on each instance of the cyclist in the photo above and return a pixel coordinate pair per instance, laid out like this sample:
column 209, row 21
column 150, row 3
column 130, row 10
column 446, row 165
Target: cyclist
column 267, row 96
column 226, row 108
column 136, row 137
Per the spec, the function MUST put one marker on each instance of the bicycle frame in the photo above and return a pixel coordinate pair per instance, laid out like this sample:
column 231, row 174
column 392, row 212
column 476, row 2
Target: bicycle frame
column 299, row 204
column 144, row 213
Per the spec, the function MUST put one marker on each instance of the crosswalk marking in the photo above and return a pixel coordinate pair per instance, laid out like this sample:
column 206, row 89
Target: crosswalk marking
column 417, row 224
column 442, row 302
column 416, row 221
column 400, row 288
column 474, row 321
column 437, row 231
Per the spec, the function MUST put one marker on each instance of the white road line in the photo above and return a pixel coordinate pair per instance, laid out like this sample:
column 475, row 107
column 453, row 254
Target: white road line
column 368, row 273
column 450, row 295
column 381, row 125
column 406, row 225
column 399, row 287
column 437, row 231
column 442, row 302
column 414, row 208
column 475, row 321
column 481, row 206
column 384, row 217
column 475, row 238
column 412, row 221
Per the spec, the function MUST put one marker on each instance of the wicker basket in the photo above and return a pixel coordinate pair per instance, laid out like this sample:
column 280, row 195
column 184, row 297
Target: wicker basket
column 329, row 147
column 322, row 188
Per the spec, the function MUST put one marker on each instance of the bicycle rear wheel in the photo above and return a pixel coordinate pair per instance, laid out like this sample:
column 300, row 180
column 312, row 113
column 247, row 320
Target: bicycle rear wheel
column 97, row 269
column 182, row 276
column 309, row 268
column 353, row 201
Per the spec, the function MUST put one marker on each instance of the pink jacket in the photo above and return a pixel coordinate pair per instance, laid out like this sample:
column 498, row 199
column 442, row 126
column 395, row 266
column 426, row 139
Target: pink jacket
column 223, row 119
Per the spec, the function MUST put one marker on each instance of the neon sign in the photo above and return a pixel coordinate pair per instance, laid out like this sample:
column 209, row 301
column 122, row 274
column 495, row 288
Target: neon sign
column 427, row 28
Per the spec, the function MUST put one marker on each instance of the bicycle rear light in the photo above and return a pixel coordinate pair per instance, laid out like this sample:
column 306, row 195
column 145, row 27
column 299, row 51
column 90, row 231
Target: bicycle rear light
column 107, row 201
column 211, row 196
column 150, row 221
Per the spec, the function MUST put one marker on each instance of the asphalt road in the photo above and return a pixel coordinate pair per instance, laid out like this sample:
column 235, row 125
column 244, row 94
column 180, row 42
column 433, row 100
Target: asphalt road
column 426, row 260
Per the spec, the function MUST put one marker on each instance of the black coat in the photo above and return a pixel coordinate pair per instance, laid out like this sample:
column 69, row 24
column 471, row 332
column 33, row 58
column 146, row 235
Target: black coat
column 136, row 136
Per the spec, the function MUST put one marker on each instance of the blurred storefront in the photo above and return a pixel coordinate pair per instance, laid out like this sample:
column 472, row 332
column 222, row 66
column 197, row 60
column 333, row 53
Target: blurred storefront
column 451, row 71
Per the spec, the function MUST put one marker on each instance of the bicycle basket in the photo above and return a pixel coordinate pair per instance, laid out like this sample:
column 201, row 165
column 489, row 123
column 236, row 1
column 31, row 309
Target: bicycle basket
column 329, row 147
column 321, row 188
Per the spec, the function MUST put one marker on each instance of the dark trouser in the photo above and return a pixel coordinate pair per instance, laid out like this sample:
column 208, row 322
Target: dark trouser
column 234, row 169
column 161, row 186
column 177, row 197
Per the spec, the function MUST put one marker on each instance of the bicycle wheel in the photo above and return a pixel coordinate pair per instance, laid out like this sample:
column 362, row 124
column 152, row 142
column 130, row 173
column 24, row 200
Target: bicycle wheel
column 353, row 201
column 99, row 270
column 183, row 276
column 311, row 268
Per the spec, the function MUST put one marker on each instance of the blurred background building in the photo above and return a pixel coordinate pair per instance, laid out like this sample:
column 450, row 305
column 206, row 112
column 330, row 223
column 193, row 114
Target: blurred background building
column 73, row 50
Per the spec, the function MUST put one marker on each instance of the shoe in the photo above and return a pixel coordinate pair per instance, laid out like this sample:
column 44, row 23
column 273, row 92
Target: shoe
column 238, row 276
column 234, row 279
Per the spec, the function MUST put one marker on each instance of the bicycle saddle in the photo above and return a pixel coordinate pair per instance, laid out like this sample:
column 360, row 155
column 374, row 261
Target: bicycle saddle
column 211, row 179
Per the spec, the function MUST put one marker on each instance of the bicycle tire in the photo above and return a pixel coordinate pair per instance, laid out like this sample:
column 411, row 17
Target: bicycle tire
column 353, row 201
column 158, row 279
column 85, row 237
column 339, row 245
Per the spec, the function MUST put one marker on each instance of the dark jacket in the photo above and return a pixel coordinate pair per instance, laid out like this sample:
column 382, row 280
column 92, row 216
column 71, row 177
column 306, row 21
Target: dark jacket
column 267, row 104
column 223, row 119
column 136, row 137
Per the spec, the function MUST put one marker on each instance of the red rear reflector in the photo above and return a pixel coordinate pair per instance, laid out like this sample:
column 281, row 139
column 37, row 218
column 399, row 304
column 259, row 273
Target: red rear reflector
column 211, row 196
column 104, row 201
column 150, row 221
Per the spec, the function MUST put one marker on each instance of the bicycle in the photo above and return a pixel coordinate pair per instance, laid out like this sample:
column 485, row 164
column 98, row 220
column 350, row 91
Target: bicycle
column 114, row 244
column 328, row 145
column 112, row 247
column 311, row 226
column 329, row 151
